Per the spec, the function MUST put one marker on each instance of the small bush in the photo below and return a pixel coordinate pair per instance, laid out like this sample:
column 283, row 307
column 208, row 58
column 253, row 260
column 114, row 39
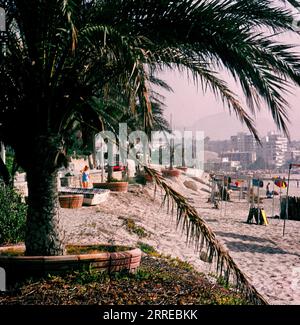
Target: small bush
column 9, row 163
column 12, row 216
column 133, row 228
column 148, row 249
column 176, row 262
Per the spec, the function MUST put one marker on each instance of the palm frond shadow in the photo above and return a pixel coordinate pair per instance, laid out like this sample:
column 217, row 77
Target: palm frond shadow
column 203, row 238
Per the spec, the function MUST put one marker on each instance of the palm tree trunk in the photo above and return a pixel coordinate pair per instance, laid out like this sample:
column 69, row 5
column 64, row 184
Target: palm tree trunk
column 172, row 149
column 90, row 161
column 109, row 173
column 44, row 234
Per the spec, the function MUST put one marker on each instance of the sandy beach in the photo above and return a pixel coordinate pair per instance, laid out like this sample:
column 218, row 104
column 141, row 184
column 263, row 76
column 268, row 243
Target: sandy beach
column 270, row 260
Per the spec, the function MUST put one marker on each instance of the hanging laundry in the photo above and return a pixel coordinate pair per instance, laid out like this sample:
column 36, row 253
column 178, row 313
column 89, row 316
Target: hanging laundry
column 294, row 165
column 257, row 182
column 280, row 182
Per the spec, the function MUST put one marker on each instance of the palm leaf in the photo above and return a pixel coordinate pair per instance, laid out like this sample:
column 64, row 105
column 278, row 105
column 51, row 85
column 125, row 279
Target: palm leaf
column 199, row 233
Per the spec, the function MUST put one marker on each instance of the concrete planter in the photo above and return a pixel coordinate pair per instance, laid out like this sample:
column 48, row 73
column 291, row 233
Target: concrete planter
column 90, row 196
column 171, row 172
column 113, row 186
column 21, row 267
column 71, row 201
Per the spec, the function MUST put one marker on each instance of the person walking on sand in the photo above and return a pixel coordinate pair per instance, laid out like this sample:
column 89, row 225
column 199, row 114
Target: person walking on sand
column 85, row 177
column 268, row 193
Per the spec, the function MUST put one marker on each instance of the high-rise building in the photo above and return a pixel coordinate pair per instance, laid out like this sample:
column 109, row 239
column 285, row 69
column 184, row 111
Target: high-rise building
column 243, row 142
column 275, row 147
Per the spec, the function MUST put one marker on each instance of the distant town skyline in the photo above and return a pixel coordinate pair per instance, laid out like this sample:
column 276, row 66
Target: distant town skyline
column 189, row 105
column 241, row 151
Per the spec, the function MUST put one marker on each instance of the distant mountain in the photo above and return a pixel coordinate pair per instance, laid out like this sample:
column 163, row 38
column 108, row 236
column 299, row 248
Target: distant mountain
column 221, row 126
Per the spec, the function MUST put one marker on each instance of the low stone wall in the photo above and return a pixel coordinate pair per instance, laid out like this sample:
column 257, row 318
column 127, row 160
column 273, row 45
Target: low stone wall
column 21, row 267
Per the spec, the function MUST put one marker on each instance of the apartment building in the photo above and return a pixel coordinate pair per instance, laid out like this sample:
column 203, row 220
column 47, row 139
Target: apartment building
column 275, row 147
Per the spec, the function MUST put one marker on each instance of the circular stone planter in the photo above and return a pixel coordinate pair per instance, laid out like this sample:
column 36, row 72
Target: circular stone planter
column 72, row 201
column 18, row 267
column 113, row 186
column 171, row 172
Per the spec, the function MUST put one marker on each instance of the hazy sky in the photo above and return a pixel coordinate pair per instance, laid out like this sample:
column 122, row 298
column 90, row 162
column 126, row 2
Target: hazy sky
column 187, row 104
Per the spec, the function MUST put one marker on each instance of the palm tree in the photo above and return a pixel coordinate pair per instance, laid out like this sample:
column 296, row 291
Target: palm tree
column 61, row 55
column 114, row 108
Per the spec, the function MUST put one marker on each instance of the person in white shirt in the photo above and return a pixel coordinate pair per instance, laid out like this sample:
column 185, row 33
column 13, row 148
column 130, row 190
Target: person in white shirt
column 138, row 147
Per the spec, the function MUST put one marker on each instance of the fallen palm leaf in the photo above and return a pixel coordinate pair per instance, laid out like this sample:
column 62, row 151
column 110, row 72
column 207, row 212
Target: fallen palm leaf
column 199, row 233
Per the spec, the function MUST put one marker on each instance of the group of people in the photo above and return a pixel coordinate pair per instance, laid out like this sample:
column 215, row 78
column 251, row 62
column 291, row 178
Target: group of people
column 279, row 182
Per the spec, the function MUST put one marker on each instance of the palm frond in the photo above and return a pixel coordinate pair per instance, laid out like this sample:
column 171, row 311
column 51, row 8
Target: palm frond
column 69, row 8
column 199, row 233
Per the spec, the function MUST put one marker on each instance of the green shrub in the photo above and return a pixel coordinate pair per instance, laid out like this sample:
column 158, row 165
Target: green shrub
column 12, row 216
column 9, row 162
column 133, row 228
column 148, row 249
